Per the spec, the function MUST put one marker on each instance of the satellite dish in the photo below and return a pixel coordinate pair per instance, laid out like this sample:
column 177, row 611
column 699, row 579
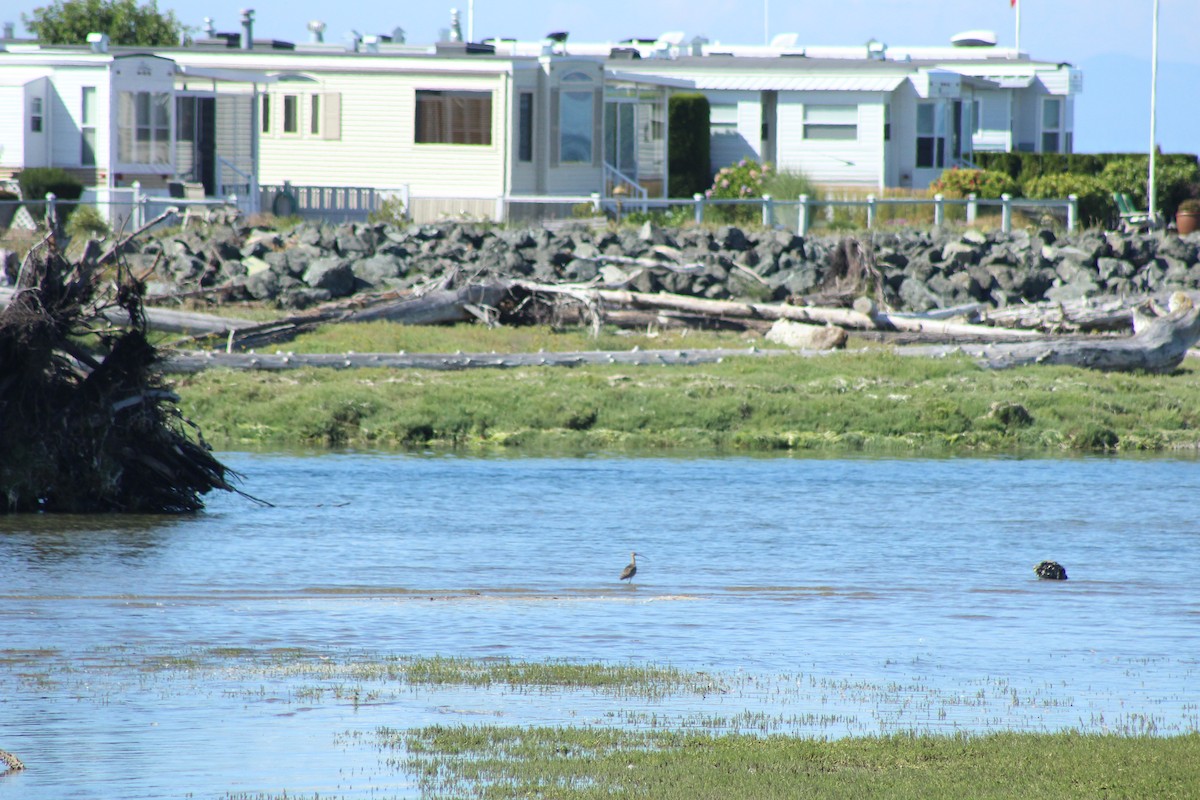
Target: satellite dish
column 974, row 39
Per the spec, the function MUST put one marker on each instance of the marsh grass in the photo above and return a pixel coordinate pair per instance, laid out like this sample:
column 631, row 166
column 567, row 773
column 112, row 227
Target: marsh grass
column 577, row 762
column 868, row 400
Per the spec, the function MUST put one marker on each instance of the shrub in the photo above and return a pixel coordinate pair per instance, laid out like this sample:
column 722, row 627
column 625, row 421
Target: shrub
column 789, row 184
column 37, row 182
column 690, row 145
column 1095, row 200
column 391, row 211
column 87, row 222
column 742, row 181
column 1189, row 206
column 1174, row 180
column 984, row 184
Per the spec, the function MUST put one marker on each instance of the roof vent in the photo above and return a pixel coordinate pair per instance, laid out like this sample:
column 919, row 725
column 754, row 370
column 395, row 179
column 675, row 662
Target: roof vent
column 876, row 50
column 9, row 29
column 398, row 35
column 974, row 39
column 316, row 29
column 558, row 38
column 697, row 44
column 98, row 42
column 248, row 27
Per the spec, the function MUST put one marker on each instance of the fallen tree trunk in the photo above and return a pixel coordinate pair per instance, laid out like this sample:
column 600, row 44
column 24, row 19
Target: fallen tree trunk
column 872, row 319
column 198, row 360
column 1160, row 344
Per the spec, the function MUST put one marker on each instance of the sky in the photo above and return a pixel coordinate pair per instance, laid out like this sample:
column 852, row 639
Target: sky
column 1109, row 39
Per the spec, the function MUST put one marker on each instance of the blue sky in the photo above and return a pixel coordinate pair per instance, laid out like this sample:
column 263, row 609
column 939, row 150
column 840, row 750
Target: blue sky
column 1110, row 40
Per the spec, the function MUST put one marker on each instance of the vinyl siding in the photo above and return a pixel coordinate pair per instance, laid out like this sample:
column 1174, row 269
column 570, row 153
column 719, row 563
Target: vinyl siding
column 745, row 140
column 68, row 116
column 376, row 147
column 832, row 161
column 12, row 127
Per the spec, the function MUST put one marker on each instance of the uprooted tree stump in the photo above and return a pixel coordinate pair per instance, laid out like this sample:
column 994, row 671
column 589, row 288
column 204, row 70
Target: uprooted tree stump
column 87, row 422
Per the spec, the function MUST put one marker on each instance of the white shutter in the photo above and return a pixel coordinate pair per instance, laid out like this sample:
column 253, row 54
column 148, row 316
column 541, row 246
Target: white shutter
column 331, row 115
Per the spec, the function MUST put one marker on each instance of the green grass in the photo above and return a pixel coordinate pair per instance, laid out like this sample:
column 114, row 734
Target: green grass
column 870, row 401
column 569, row 763
column 385, row 337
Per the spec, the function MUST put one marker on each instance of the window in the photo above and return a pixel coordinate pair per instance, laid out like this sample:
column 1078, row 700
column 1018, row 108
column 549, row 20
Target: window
column 87, row 126
column 576, row 119
column 453, row 117
column 144, row 128
column 314, row 115
column 525, row 127
column 722, row 118
column 265, row 114
column 887, row 123
column 976, row 116
column 931, row 136
column 291, row 113
column 831, row 122
column 575, row 127
column 1051, row 124
column 35, row 114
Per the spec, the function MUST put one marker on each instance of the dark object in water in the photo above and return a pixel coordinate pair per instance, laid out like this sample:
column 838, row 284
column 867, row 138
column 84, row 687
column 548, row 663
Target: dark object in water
column 10, row 762
column 1051, row 571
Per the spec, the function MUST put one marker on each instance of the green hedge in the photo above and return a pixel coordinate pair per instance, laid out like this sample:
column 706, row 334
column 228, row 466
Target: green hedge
column 37, row 182
column 1177, row 175
column 689, row 146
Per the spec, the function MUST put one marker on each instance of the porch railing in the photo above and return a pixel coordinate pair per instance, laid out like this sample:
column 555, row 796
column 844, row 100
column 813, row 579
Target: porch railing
column 334, row 203
column 613, row 178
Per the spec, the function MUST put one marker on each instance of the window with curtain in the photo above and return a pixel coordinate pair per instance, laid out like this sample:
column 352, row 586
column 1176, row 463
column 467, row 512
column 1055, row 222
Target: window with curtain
column 87, row 126
column 453, row 117
column 144, row 128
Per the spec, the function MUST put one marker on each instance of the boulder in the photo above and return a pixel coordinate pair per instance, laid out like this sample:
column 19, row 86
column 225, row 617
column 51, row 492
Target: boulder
column 334, row 275
column 807, row 337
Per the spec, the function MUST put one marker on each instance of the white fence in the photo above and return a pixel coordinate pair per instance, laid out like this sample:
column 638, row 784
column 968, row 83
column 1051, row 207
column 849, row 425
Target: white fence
column 130, row 208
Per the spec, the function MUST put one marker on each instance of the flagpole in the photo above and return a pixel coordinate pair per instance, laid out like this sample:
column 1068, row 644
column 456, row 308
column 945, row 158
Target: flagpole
column 1017, row 3
column 1153, row 115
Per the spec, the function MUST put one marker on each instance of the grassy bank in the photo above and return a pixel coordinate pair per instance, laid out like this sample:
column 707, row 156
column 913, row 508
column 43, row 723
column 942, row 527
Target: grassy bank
column 865, row 400
column 567, row 763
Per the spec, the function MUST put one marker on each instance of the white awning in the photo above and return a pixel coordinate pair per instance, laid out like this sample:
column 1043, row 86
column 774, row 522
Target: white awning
column 227, row 75
column 769, row 81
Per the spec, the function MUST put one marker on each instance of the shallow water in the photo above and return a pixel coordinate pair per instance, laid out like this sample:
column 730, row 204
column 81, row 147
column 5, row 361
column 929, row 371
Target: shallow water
column 830, row 597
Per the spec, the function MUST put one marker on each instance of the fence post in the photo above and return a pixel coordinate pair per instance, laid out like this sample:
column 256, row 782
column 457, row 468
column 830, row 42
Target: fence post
column 51, row 212
column 768, row 213
column 972, row 208
column 939, row 209
column 595, row 202
column 698, row 199
column 1006, row 213
column 137, row 211
column 802, row 216
column 1072, row 211
column 870, row 211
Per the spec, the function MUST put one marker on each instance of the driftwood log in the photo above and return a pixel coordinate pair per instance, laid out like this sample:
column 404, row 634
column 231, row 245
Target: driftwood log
column 1159, row 344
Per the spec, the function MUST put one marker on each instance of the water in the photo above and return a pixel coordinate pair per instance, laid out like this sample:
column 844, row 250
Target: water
column 829, row 597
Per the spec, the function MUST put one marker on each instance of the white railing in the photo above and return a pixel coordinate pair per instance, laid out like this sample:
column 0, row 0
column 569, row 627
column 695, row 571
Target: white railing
column 246, row 188
column 131, row 207
column 614, row 177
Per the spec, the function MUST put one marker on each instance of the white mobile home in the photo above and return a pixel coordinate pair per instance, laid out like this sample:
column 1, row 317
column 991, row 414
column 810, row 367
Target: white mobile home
column 464, row 128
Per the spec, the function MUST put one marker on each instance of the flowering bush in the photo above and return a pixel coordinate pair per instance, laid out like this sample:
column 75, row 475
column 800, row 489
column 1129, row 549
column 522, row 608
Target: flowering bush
column 742, row 181
column 984, row 184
